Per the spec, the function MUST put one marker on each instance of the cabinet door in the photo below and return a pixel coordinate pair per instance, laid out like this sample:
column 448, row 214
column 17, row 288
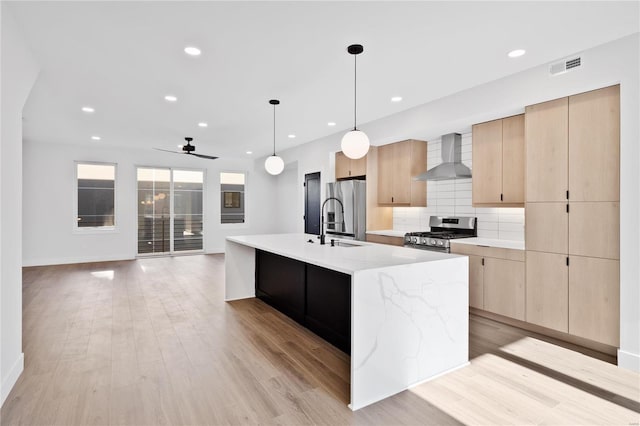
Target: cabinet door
column 342, row 166
column 358, row 167
column 594, row 229
column 385, row 174
column 280, row 282
column 504, row 287
column 547, row 290
column 546, row 227
column 328, row 311
column 546, row 151
column 418, row 166
column 512, row 159
column 594, row 299
column 476, row 282
column 486, row 149
column 402, row 173
column 594, row 145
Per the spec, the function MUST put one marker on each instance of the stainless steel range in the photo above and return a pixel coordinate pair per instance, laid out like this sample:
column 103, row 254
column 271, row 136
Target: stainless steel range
column 443, row 229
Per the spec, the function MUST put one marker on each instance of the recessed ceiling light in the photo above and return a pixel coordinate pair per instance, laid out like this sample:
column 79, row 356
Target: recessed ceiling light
column 170, row 98
column 249, row 152
column 396, row 99
column 203, row 124
column 331, row 123
column 179, row 146
column 96, row 138
column 516, row 53
column 292, row 136
column 88, row 109
column 192, row 51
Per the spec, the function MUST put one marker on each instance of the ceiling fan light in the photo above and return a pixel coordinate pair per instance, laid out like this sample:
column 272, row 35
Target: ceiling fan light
column 274, row 165
column 355, row 144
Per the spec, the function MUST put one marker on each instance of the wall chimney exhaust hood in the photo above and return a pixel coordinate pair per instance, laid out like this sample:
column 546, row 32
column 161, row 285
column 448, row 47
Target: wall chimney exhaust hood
column 451, row 167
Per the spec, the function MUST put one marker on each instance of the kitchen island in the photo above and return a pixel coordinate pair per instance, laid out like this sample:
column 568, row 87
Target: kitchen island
column 408, row 308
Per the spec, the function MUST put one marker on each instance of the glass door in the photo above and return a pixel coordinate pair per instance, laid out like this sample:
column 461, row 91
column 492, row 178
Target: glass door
column 170, row 207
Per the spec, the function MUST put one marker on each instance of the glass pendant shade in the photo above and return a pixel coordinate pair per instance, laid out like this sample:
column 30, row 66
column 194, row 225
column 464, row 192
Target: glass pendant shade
column 274, row 165
column 355, row 144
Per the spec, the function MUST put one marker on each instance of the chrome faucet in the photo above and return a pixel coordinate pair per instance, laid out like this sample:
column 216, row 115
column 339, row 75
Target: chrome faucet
column 321, row 236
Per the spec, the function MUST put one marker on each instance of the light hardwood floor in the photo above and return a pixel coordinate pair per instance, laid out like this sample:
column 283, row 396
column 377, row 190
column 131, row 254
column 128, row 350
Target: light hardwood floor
column 151, row 342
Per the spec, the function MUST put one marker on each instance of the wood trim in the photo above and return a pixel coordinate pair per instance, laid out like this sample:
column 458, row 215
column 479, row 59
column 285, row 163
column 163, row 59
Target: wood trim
column 487, row 251
column 547, row 332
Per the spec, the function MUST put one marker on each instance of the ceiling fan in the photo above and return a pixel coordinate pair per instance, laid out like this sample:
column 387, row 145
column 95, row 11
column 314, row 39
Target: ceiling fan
column 189, row 150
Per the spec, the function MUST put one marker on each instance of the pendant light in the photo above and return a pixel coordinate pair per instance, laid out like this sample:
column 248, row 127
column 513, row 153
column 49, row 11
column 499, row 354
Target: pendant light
column 274, row 164
column 355, row 143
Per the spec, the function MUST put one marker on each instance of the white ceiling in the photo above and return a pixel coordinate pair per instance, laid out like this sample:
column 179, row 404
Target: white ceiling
column 123, row 57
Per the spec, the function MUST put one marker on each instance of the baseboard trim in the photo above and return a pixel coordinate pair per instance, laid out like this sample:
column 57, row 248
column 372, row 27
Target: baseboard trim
column 629, row 361
column 70, row 260
column 12, row 377
column 554, row 334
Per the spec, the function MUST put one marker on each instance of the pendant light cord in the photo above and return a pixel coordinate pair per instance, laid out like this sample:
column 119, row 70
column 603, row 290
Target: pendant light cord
column 274, row 130
column 355, row 90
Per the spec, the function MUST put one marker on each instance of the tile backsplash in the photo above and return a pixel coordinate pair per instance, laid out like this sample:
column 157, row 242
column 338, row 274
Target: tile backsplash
column 453, row 197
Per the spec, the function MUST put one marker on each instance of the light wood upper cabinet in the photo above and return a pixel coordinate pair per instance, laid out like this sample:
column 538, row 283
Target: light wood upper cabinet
column 594, row 299
column 504, row 287
column 546, row 130
column 498, row 162
column 594, row 145
column 348, row 168
column 486, row 149
column 397, row 164
column 547, row 300
column 513, row 159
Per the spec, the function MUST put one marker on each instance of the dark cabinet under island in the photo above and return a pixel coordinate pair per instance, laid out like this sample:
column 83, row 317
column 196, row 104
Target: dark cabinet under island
column 317, row 298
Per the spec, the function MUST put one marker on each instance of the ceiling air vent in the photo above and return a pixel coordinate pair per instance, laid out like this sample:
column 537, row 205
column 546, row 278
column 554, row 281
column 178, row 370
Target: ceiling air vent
column 565, row 65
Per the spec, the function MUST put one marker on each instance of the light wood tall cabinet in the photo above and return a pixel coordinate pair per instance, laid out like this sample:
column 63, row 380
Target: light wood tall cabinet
column 498, row 162
column 398, row 163
column 347, row 168
column 572, row 227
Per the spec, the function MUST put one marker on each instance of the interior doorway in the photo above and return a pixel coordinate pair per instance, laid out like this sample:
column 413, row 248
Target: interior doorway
column 312, row 203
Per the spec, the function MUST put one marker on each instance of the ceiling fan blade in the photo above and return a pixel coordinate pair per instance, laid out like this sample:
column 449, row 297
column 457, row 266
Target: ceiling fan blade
column 204, row 156
column 166, row 150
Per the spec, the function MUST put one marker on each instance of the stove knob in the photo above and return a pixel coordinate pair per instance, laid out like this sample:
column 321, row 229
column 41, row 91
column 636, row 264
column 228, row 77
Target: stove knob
column 433, row 242
column 440, row 243
column 414, row 240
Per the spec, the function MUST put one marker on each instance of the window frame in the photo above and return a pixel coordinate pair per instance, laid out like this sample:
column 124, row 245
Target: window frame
column 244, row 224
column 114, row 229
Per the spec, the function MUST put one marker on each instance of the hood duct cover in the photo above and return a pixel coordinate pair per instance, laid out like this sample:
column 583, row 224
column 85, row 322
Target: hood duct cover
column 451, row 167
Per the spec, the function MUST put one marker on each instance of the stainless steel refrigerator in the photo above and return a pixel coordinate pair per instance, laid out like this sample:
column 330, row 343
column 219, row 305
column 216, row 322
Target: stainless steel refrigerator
column 353, row 195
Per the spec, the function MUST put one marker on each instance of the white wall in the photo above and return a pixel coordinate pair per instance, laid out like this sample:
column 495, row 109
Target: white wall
column 19, row 72
column 49, row 211
column 611, row 63
column 287, row 185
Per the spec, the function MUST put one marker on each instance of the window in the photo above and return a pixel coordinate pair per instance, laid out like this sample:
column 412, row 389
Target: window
column 170, row 210
column 232, row 197
column 95, row 195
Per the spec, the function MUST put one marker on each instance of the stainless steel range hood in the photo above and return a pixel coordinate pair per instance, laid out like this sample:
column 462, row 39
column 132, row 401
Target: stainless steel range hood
column 451, row 167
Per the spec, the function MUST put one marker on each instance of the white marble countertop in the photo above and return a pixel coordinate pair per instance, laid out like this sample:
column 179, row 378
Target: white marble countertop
column 388, row 233
column 342, row 259
column 491, row 242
